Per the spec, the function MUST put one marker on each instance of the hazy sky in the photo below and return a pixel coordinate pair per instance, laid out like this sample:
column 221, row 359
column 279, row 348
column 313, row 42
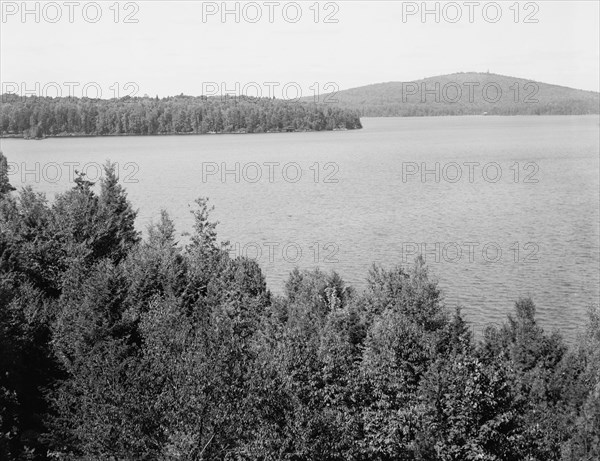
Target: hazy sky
column 175, row 48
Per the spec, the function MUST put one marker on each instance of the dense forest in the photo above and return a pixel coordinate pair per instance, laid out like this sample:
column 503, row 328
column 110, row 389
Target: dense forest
column 39, row 117
column 114, row 347
column 466, row 94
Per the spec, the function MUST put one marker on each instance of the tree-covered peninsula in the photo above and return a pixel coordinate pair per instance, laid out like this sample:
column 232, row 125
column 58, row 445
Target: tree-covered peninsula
column 38, row 117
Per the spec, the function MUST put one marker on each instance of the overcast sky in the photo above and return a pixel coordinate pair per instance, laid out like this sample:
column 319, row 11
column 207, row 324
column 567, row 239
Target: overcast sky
column 174, row 48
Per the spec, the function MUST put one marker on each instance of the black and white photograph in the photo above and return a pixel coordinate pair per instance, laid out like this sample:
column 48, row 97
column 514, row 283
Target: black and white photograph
column 312, row 230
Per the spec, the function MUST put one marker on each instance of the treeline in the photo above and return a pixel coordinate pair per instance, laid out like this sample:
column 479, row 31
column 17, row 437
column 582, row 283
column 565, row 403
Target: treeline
column 117, row 347
column 38, row 117
column 467, row 94
column 418, row 109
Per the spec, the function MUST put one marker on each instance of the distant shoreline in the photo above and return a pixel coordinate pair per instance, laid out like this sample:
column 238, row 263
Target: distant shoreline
column 111, row 135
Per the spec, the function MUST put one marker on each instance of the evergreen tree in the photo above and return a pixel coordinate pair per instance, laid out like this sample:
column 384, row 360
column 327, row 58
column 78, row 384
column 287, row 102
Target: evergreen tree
column 5, row 186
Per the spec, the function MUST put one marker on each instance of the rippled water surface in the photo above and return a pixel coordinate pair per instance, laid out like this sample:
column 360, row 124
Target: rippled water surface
column 340, row 199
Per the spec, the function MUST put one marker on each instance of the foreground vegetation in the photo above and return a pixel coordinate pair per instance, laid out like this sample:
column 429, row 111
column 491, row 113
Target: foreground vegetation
column 39, row 117
column 113, row 347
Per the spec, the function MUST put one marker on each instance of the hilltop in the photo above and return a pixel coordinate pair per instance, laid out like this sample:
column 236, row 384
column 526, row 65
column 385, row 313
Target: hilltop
column 471, row 93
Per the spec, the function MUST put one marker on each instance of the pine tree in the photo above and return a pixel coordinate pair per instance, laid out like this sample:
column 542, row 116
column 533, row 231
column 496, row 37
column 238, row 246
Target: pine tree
column 116, row 219
column 5, row 186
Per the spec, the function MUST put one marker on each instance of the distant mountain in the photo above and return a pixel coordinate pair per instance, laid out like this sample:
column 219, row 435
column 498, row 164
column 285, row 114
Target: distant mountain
column 470, row 93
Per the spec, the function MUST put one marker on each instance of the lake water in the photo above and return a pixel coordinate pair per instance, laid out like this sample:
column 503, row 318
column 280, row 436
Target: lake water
column 521, row 220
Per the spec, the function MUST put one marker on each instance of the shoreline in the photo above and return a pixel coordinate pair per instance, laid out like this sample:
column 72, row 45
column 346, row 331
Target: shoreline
column 83, row 135
column 110, row 135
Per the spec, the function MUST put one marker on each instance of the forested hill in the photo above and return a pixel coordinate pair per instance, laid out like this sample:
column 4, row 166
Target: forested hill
column 467, row 94
column 39, row 117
